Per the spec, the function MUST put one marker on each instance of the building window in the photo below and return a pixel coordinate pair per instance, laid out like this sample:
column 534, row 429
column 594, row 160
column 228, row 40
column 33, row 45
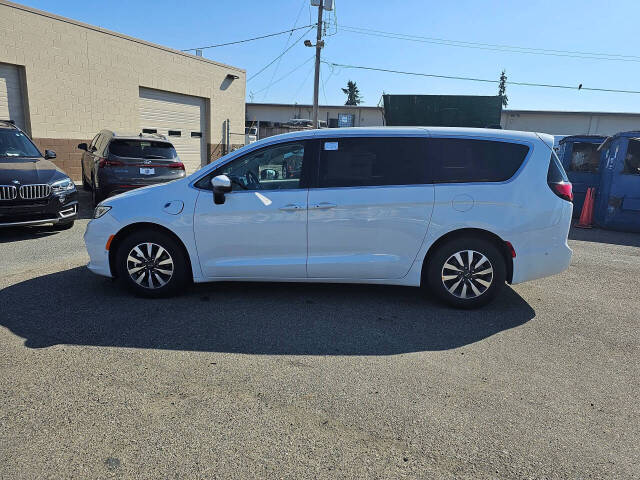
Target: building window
column 196, row 134
column 175, row 133
column 149, row 130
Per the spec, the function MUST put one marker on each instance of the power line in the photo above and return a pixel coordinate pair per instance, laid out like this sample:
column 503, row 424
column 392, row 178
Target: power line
column 280, row 56
column 491, row 46
column 304, row 81
column 285, row 75
column 249, row 39
column 484, row 80
column 275, row 70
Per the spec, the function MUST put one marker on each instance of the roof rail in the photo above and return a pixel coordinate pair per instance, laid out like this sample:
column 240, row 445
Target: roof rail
column 155, row 135
column 12, row 122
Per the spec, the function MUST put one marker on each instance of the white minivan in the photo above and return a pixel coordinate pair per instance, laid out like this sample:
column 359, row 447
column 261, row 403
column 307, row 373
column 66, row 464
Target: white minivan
column 460, row 211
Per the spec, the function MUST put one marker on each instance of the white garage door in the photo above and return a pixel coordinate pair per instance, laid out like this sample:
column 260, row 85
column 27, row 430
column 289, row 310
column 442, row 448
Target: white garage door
column 181, row 118
column 11, row 104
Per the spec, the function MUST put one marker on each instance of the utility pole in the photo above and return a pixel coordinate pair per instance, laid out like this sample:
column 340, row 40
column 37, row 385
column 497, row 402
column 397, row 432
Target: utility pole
column 316, row 78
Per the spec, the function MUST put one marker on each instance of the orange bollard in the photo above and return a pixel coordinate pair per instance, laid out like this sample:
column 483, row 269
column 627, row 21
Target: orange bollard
column 586, row 216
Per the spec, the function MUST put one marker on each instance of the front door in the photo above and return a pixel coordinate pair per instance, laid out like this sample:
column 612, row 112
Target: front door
column 371, row 209
column 260, row 232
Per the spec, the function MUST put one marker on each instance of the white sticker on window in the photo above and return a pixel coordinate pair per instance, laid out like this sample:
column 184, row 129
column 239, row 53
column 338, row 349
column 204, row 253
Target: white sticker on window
column 331, row 145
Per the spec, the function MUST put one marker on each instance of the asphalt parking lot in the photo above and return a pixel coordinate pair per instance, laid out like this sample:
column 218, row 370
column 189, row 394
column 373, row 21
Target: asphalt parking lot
column 316, row 381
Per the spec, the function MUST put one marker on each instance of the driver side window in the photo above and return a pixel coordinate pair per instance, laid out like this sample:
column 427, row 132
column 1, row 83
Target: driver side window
column 277, row 167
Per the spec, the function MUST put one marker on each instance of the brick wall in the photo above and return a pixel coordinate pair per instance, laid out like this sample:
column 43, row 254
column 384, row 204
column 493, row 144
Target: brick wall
column 68, row 156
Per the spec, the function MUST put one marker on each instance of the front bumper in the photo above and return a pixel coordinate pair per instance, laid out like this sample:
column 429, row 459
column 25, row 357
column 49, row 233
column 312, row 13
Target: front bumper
column 53, row 209
column 96, row 237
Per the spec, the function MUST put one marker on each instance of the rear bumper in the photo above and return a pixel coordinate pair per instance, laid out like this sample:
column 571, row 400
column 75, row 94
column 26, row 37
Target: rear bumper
column 545, row 252
column 55, row 209
column 113, row 185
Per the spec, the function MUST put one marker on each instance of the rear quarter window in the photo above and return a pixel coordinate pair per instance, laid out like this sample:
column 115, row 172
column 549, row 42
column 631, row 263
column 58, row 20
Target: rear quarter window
column 458, row 160
column 556, row 173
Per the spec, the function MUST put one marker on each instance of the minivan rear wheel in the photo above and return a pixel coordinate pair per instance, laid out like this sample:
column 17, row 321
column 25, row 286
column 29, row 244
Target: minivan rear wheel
column 466, row 272
column 152, row 264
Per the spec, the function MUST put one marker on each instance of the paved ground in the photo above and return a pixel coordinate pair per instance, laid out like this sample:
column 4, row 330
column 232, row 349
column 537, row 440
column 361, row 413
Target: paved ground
column 317, row 381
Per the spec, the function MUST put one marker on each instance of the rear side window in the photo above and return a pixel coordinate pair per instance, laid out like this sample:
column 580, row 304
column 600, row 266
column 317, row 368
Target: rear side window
column 456, row 160
column 556, row 173
column 372, row 161
column 142, row 149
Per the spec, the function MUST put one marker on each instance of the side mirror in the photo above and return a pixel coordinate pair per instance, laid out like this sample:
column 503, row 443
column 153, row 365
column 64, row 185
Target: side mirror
column 83, row 146
column 221, row 184
column 49, row 154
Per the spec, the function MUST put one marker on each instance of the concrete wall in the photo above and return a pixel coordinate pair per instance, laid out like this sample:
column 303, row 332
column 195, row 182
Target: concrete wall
column 80, row 79
column 570, row 123
column 274, row 112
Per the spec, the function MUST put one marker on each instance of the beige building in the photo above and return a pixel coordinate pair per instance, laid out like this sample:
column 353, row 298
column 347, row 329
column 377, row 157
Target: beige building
column 267, row 116
column 63, row 81
column 570, row 123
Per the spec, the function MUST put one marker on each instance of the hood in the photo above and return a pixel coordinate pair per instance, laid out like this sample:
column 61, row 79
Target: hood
column 28, row 171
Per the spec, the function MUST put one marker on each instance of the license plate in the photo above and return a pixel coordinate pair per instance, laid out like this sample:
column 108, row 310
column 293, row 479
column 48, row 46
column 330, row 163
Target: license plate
column 147, row 171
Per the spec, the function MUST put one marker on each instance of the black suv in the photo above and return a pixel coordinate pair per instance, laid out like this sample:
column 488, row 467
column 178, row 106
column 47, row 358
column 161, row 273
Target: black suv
column 115, row 163
column 33, row 191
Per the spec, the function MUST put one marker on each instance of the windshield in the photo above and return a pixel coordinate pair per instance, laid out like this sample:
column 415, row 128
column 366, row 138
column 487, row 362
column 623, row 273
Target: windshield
column 15, row 144
column 142, row 149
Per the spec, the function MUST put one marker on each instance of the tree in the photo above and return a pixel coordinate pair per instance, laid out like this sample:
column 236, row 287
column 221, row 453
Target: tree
column 353, row 94
column 502, row 88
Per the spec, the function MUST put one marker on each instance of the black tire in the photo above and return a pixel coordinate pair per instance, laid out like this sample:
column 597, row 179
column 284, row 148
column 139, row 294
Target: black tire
column 62, row 225
column 85, row 185
column 181, row 275
column 435, row 272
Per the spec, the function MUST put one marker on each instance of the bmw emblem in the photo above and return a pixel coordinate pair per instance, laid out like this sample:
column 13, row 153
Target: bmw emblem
column 15, row 182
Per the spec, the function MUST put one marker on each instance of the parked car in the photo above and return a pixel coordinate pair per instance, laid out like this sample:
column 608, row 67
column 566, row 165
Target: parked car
column 33, row 190
column 114, row 163
column 458, row 210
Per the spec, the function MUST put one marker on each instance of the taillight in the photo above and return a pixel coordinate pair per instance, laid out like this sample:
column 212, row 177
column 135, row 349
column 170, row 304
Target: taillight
column 564, row 190
column 103, row 162
column 178, row 165
column 512, row 251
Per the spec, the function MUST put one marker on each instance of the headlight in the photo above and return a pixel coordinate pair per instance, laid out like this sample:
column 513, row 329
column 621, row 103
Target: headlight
column 100, row 211
column 63, row 186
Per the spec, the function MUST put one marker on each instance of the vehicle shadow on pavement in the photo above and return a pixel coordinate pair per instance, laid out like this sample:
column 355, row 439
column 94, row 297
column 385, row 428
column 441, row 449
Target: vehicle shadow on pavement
column 599, row 235
column 75, row 307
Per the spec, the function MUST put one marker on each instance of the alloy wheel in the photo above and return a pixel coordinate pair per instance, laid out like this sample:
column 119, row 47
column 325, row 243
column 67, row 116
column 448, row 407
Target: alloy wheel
column 467, row 274
column 150, row 265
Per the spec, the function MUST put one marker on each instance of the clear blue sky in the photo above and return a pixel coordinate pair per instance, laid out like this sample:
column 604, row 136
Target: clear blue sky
column 587, row 25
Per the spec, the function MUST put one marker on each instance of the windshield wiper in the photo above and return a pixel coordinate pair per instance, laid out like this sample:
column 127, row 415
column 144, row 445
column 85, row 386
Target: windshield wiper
column 156, row 156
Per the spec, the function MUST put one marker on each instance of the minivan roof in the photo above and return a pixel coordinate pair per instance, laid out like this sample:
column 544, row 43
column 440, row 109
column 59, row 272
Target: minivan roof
column 413, row 131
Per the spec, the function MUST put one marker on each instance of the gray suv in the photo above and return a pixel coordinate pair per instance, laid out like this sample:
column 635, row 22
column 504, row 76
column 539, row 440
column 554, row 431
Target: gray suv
column 113, row 163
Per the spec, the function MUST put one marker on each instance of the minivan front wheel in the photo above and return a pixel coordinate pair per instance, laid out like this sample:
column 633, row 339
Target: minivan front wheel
column 466, row 272
column 152, row 264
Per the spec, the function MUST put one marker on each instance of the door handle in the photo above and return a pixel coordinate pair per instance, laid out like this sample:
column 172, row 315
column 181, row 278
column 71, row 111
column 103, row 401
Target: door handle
column 324, row 205
column 291, row 207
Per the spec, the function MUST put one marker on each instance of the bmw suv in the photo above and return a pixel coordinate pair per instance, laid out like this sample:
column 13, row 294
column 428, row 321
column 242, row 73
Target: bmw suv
column 33, row 190
column 113, row 163
column 458, row 211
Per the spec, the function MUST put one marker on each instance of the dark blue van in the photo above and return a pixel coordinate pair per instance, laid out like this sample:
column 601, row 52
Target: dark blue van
column 617, row 203
column 580, row 158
